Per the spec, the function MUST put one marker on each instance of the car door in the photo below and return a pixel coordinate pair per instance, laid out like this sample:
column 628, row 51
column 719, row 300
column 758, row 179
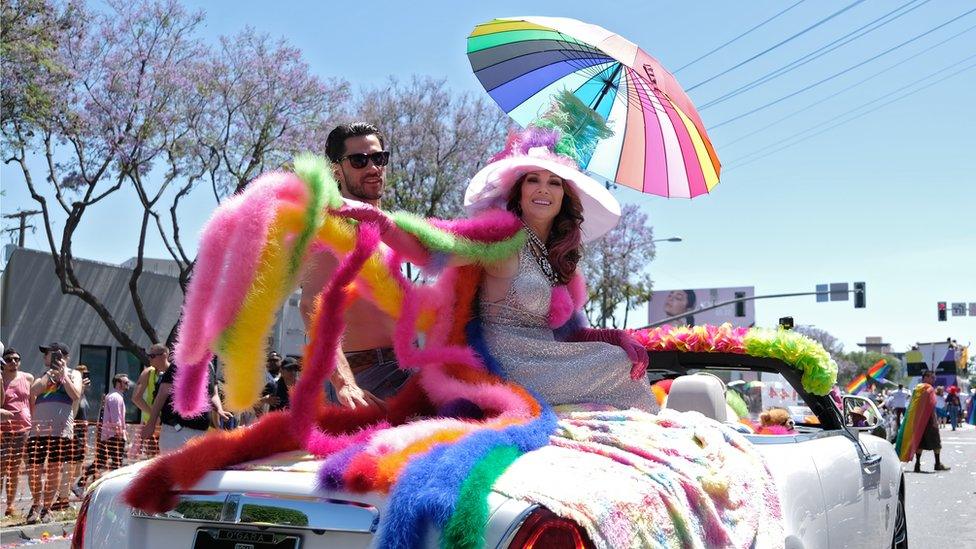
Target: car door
column 874, row 499
column 849, row 479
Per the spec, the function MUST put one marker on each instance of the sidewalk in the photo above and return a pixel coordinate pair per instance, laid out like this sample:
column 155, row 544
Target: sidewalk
column 24, row 532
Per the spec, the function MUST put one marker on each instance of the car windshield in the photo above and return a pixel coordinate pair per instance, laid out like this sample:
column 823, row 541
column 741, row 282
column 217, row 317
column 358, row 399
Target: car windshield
column 860, row 412
column 761, row 392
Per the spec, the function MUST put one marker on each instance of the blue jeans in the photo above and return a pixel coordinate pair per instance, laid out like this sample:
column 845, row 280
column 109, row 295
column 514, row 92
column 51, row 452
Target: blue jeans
column 953, row 412
column 383, row 379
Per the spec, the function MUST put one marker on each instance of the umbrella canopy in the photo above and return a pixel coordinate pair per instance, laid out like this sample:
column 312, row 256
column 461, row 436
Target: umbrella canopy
column 659, row 144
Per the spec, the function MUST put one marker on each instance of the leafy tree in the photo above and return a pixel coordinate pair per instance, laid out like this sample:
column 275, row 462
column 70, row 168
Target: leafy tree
column 131, row 96
column 103, row 109
column 30, row 34
column 253, row 107
column 437, row 141
column 615, row 268
column 846, row 370
column 863, row 360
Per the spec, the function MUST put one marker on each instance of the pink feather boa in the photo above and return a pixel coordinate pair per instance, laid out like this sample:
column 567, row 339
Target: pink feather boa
column 490, row 226
column 437, row 383
column 231, row 246
column 322, row 353
column 702, row 339
column 230, row 249
column 567, row 299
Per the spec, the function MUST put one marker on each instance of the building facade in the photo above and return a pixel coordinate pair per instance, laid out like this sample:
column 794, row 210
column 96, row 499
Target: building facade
column 34, row 312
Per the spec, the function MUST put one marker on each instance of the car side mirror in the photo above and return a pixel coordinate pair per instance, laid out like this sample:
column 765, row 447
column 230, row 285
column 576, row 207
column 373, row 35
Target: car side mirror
column 859, row 413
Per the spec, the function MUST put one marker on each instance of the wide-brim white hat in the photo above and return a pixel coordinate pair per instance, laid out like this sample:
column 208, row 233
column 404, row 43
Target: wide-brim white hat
column 490, row 187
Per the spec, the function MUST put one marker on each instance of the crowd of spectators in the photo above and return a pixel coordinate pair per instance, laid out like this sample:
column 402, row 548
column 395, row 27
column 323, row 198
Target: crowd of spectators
column 53, row 437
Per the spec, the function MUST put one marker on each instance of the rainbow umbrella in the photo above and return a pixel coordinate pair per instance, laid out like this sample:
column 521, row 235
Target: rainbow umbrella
column 659, row 145
column 879, row 369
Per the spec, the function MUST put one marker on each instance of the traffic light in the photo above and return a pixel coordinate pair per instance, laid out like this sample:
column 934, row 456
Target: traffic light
column 859, row 295
column 942, row 311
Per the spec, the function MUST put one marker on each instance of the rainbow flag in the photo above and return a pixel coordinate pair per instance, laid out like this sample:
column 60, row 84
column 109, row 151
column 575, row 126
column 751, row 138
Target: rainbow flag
column 917, row 417
column 879, row 369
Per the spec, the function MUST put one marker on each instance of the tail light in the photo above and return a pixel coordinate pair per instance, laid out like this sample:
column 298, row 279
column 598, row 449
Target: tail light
column 544, row 530
column 78, row 537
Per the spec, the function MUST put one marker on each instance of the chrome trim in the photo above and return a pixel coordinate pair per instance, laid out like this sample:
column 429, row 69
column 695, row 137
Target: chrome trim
column 791, row 439
column 871, row 471
column 245, row 537
column 515, row 526
column 271, row 510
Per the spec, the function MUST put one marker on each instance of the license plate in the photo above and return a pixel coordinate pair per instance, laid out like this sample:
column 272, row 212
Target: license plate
column 230, row 538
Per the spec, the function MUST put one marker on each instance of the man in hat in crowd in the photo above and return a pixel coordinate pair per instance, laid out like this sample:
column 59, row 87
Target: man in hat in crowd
column 279, row 392
column 271, row 377
column 144, row 393
column 56, row 395
column 175, row 430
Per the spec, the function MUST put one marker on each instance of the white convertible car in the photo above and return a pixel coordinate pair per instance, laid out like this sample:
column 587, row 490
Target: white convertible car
column 839, row 486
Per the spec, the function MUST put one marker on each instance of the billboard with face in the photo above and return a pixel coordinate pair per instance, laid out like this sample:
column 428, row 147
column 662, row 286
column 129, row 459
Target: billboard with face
column 687, row 304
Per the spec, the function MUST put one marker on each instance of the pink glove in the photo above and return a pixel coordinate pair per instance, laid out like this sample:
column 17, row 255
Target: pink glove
column 635, row 351
column 366, row 213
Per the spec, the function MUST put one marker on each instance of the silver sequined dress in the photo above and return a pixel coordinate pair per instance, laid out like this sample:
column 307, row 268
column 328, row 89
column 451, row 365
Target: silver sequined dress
column 518, row 335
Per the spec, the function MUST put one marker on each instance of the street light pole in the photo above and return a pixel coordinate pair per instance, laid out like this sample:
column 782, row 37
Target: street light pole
column 730, row 302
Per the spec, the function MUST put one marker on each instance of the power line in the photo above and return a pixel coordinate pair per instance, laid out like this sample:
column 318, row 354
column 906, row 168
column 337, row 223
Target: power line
column 855, row 109
column 818, row 53
column 835, row 75
column 897, row 64
column 23, row 226
column 741, row 161
column 853, row 118
column 773, row 47
column 690, row 63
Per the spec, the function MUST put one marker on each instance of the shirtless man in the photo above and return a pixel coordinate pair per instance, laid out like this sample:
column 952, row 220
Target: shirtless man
column 366, row 371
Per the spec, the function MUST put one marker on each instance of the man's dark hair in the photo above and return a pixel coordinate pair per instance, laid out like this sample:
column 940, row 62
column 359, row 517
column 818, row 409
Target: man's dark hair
column 10, row 351
column 335, row 144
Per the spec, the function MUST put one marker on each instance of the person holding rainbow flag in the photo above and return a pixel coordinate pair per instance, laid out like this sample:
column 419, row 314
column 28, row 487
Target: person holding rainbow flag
column 920, row 430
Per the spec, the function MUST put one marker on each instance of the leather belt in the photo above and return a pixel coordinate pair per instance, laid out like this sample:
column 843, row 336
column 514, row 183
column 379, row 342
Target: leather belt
column 361, row 360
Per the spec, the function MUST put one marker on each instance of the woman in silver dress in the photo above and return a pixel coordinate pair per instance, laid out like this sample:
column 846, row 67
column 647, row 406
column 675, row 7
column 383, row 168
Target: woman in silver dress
column 561, row 208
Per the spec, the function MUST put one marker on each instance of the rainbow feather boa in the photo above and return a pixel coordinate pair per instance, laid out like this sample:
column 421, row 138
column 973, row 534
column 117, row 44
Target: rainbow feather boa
column 442, row 441
column 250, row 258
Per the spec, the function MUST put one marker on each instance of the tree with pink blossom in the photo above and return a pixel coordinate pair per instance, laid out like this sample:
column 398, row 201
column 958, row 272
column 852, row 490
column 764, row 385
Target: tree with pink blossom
column 437, row 140
column 130, row 97
column 616, row 269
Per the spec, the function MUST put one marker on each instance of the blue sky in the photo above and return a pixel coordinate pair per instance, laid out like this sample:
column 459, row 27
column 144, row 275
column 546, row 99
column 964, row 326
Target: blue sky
column 887, row 198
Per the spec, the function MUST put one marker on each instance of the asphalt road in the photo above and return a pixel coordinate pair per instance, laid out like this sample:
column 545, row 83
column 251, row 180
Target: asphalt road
column 942, row 506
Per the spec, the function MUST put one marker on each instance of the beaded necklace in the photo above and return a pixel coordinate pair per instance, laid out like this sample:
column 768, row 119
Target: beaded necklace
column 541, row 254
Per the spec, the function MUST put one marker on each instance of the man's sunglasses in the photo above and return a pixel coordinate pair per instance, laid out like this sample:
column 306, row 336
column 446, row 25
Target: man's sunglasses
column 154, row 355
column 12, row 358
column 359, row 160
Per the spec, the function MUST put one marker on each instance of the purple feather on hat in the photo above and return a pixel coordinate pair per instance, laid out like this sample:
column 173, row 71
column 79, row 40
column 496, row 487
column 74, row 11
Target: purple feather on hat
column 519, row 143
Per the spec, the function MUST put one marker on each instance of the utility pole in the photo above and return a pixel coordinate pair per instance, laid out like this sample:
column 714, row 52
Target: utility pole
column 22, row 215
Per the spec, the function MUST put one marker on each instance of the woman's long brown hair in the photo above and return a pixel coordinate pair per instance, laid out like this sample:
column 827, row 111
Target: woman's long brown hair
column 565, row 240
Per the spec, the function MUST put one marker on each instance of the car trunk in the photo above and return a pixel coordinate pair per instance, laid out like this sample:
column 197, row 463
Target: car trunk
column 259, row 509
column 269, row 504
